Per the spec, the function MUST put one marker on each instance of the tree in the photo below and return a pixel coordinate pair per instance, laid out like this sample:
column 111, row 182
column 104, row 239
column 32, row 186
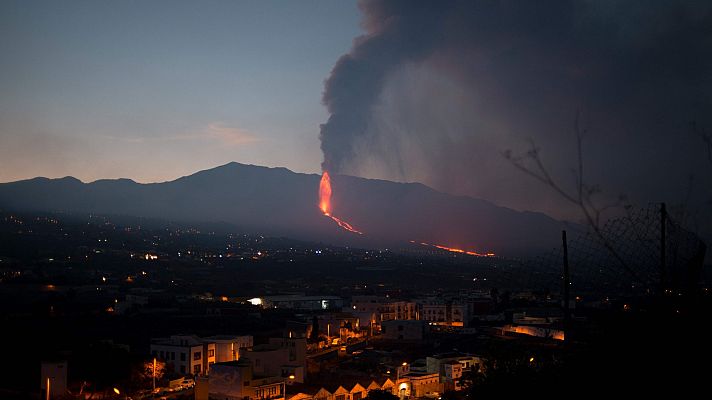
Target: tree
column 314, row 335
column 142, row 373
column 582, row 196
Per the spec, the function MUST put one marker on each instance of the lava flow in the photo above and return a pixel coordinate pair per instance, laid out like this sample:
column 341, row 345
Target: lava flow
column 325, row 203
column 454, row 250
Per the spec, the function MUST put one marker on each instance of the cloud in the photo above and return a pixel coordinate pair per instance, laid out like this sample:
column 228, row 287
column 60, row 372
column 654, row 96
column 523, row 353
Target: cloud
column 228, row 135
column 216, row 132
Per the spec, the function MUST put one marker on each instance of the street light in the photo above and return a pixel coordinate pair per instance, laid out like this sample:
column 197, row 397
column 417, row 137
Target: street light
column 118, row 392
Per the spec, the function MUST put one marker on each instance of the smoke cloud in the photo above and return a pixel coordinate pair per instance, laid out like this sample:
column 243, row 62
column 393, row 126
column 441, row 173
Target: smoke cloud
column 435, row 91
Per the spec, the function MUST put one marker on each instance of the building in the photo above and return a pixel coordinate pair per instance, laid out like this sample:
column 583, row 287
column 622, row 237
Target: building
column 281, row 357
column 451, row 375
column 450, row 367
column 338, row 327
column 468, row 361
column 418, row 384
column 543, row 318
column 234, row 380
column 437, row 311
column 186, row 354
column 530, row 330
column 372, row 310
column 403, row 330
column 190, row 354
column 354, row 390
column 298, row 302
column 405, row 310
column 227, row 347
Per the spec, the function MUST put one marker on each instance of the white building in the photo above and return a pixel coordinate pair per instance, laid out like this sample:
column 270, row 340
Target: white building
column 298, row 302
column 187, row 354
column 227, row 347
column 450, row 367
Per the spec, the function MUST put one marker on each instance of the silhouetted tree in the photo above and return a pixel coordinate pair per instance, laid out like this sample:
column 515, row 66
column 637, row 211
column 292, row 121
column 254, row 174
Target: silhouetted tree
column 314, row 335
column 582, row 196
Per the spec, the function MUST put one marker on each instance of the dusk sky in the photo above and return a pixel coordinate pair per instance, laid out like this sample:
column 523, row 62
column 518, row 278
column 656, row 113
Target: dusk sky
column 431, row 92
column 153, row 90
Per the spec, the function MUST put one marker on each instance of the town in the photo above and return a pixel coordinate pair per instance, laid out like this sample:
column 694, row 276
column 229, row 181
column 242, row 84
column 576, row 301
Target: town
column 179, row 312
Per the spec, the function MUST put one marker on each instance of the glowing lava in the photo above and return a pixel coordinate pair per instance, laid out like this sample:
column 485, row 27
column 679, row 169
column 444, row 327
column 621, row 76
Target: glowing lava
column 325, row 193
column 325, row 203
column 455, row 250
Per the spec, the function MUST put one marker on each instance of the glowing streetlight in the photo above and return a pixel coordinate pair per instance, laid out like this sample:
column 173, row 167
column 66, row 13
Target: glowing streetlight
column 117, row 391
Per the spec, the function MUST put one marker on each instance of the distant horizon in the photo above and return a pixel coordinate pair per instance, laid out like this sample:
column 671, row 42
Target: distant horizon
column 84, row 180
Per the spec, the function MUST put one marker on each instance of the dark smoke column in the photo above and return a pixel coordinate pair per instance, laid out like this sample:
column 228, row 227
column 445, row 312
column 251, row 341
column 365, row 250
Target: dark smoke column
column 396, row 32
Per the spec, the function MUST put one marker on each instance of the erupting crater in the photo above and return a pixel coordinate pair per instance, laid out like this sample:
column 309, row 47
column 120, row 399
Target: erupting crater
column 325, row 203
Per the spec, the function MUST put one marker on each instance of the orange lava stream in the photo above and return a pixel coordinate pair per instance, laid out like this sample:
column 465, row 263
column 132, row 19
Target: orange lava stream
column 325, row 203
column 455, row 250
column 344, row 224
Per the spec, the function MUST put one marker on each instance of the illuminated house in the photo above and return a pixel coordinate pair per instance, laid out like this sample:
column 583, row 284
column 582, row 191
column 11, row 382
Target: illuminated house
column 339, row 390
column 339, row 326
column 189, row 354
column 298, row 302
column 538, row 331
column 372, row 310
column 227, row 347
column 451, row 366
column 418, row 384
column 282, row 357
column 261, row 372
column 437, row 311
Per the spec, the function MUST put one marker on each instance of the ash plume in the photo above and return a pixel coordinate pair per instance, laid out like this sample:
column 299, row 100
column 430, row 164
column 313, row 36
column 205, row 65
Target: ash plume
column 434, row 91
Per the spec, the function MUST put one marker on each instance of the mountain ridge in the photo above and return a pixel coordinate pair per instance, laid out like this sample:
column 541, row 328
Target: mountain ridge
column 276, row 200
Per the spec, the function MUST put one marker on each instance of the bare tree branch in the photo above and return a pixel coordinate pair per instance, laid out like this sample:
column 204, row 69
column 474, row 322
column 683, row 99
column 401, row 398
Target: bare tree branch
column 582, row 196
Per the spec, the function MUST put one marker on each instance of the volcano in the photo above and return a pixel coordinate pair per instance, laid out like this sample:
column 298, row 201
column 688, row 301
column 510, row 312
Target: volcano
column 325, row 204
column 279, row 202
